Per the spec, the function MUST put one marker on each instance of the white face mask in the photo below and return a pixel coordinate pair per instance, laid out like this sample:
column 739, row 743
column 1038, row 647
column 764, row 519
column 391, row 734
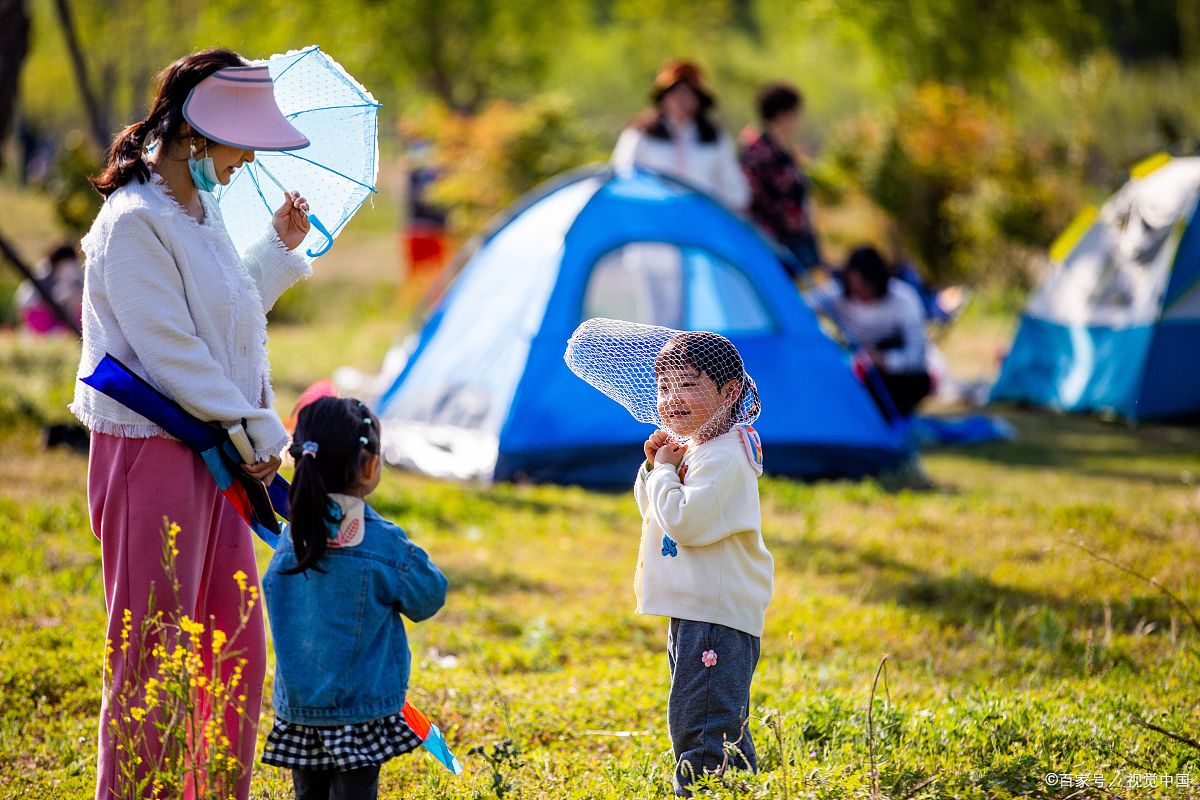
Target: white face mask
column 203, row 171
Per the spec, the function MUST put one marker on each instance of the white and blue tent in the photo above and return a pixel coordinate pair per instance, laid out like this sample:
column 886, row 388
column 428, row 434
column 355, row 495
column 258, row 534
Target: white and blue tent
column 1114, row 326
column 485, row 394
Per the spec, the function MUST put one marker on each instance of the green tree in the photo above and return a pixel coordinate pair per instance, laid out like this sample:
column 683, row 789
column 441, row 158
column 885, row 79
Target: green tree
column 968, row 42
column 467, row 52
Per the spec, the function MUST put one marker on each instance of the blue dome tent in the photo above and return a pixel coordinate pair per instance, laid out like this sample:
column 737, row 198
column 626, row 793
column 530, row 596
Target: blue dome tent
column 1115, row 324
column 484, row 393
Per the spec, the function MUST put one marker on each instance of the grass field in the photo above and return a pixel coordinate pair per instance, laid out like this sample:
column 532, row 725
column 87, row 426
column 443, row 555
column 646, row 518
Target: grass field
column 1012, row 654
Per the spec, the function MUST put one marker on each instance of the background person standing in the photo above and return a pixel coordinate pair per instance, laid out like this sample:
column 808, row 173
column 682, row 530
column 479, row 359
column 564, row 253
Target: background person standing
column 779, row 189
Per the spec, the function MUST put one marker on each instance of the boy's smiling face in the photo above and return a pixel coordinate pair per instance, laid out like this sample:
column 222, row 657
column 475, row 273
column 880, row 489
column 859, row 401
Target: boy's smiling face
column 687, row 400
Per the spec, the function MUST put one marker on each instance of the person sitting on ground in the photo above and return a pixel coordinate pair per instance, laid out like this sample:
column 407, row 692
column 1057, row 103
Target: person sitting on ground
column 679, row 138
column 60, row 277
column 779, row 189
column 883, row 319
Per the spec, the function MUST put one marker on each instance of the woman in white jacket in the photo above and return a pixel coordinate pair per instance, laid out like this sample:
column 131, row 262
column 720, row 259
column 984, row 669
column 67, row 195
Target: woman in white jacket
column 678, row 137
column 167, row 294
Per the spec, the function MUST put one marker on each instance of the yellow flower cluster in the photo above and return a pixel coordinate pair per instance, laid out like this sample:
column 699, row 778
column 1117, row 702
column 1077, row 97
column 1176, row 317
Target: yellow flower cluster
column 126, row 628
column 187, row 685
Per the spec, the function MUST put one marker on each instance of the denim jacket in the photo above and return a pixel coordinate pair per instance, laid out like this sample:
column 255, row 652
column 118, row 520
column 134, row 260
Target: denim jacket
column 341, row 652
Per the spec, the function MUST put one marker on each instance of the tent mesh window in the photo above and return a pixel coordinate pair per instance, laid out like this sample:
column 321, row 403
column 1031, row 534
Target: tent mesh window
column 657, row 283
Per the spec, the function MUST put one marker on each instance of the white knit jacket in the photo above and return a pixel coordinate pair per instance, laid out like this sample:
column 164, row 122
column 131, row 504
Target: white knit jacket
column 172, row 300
column 712, row 168
column 715, row 567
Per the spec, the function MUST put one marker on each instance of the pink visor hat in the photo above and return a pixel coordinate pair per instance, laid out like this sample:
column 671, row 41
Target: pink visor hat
column 236, row 106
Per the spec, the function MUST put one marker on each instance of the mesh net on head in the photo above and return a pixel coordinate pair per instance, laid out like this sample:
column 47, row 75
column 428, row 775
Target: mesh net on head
column 679, row 381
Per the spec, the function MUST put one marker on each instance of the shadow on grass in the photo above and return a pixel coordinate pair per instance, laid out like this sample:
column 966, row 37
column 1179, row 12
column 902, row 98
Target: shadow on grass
column 1090, row 447
column 485, row 580
column 981, row 607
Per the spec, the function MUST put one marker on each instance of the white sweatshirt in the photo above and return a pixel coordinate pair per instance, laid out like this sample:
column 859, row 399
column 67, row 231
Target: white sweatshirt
column 702, row 556
column 172, row 300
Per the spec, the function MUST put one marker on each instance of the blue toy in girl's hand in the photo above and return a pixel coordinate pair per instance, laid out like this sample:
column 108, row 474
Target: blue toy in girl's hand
column 669, row 547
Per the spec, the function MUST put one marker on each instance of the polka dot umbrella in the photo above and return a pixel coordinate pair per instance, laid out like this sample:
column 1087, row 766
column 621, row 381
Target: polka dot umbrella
column 335, row 173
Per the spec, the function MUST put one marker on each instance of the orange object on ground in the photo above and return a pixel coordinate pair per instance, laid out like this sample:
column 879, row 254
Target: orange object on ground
column 426, row 247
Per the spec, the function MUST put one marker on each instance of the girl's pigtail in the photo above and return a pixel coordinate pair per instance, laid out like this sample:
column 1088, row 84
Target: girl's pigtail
column 333, row 438
column 310, row 512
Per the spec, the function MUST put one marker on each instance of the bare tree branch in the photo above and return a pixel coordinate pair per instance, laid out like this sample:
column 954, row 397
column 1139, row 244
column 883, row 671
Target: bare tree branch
column 871, row 729
column 14, row 45
column 96, row 116
column 1177, row 737
column 1128, row 570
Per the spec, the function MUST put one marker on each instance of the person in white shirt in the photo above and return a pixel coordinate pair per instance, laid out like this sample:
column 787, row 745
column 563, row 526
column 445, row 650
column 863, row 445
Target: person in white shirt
column 884, row 320
column 678, row 137
column 702, row 562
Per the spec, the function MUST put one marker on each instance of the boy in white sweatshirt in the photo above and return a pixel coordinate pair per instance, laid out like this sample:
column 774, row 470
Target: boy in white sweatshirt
column 702, row 561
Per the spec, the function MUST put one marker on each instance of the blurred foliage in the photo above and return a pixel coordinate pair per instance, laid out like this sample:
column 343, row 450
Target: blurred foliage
column 466, row 52
column 490, row 159
column 297, row 305
column 976, row 126
column 966, row 192
column 75, row 201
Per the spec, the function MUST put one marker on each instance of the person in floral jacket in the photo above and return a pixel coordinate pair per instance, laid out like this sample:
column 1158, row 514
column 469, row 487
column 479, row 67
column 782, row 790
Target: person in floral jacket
column 778, row 187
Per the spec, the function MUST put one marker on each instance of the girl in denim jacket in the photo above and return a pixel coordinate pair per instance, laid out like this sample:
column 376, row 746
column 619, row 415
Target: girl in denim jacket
column 335, row 589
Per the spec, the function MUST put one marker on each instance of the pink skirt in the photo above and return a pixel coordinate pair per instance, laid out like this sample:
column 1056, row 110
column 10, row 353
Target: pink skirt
column 134, row 487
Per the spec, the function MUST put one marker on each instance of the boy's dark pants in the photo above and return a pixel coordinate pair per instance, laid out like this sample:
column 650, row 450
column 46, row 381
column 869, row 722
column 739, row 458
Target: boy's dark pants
column 709, row 706
column 326, row 784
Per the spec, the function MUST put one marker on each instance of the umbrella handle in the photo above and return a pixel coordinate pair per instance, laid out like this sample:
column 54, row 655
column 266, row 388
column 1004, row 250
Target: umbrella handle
column 320, row 226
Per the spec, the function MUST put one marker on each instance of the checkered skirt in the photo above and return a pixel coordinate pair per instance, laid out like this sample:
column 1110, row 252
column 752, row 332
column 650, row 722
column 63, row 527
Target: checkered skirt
column 339, row 747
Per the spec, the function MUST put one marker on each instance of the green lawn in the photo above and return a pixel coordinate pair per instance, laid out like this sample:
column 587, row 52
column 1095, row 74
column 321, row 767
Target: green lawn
column 1011, row 653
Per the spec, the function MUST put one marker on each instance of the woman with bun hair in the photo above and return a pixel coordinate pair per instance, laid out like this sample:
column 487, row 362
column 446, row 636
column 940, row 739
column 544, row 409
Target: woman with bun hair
column 678, row 137
column 167, row 294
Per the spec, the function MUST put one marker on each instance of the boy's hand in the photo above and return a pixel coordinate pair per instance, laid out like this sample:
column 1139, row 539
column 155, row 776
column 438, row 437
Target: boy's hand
column 654, row 443
column 670, row 454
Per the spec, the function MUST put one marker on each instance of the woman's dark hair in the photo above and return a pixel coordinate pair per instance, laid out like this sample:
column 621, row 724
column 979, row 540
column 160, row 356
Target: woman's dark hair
column 716, row 357
column 867, row 262
column 775, row 99
column 345, row 434
column 175, row 83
